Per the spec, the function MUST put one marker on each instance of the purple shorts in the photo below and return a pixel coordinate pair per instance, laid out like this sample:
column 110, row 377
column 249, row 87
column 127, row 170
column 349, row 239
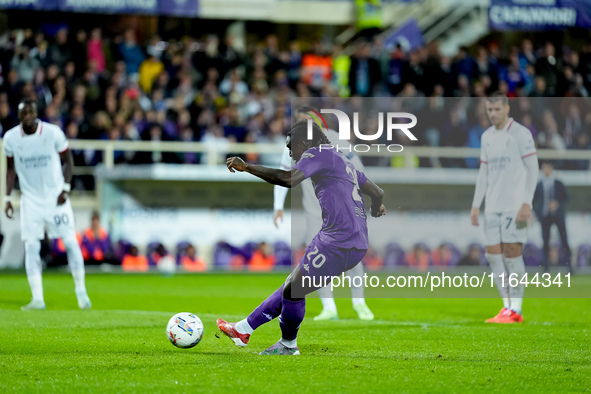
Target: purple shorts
column 322, row 259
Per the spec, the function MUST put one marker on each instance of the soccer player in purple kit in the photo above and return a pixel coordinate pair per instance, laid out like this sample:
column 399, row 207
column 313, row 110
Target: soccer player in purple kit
column 340, row 244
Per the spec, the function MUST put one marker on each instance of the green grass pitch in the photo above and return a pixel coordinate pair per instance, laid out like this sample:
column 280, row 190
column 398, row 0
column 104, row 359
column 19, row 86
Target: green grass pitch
column 415, row 345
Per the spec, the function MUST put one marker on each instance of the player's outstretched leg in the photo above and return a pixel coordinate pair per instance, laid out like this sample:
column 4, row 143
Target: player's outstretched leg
column 240, row 332
column 33, row 268
column 76, row 263
column 329, row 307
column 357, row 293
column 292, row 315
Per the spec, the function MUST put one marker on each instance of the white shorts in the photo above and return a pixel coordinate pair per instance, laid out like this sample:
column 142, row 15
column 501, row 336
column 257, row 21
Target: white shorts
column 58, row 220
column 502, row 228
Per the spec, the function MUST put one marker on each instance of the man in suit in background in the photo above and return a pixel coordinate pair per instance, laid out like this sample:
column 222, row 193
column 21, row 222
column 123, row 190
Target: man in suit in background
column 549, row 200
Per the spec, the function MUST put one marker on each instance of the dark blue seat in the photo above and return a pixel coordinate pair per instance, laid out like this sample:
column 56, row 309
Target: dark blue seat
column 394, row 255
column 283, row 254
column 533, row 256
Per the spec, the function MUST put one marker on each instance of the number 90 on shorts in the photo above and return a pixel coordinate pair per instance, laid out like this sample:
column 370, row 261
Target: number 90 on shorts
column 35, row 219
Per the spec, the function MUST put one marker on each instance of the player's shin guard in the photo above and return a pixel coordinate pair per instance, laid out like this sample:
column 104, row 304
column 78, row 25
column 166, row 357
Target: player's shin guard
column 292, row 315
column 497, row 265
column 33, row 268
column 76, row 263
column 516, row 267
column 267, row 311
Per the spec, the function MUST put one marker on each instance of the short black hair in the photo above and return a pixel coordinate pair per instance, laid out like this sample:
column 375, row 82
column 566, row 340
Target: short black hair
column 547, row 162
column 498, row 96
column 299, row 132
column 27, row 101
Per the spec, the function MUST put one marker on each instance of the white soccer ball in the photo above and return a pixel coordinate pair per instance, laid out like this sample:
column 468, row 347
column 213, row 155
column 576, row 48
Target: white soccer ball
column 184, row 330
column 167, row 266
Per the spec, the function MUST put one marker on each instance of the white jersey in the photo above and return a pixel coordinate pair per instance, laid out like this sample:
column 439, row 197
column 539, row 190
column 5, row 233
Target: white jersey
column 37, row 161
column 309, row 199
column 503, row 152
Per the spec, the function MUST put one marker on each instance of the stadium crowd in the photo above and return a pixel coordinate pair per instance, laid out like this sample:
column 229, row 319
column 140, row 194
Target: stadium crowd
column 121, row 87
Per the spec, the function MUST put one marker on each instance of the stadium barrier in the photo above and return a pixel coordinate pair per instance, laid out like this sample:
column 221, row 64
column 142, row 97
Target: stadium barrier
column 215, row 155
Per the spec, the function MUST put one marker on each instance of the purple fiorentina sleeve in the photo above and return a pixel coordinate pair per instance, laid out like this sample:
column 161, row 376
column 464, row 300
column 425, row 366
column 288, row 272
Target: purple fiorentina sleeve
column 361, row 178
column 314, row 161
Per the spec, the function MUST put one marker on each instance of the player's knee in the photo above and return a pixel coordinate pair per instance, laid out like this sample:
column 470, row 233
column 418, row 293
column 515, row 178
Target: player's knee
column 494, row 249
column 289, row 292
column 512, row 250
column 70, row 243
column 33, row 247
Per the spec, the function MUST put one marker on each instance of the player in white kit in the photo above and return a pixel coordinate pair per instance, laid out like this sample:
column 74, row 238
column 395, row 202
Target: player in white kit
column 506, row 181
column 313, row 216
column 34, row 151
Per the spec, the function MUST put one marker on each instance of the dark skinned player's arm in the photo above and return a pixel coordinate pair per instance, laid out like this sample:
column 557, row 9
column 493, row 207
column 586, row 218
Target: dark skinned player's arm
column 275, row 176
column 10, row 175
column 374, row 192
column 68, row 161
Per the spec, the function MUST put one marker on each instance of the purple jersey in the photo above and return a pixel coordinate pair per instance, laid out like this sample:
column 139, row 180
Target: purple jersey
column 336, row 183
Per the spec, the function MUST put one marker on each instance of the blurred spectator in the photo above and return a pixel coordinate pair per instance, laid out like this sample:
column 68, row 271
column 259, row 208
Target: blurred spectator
column 262, row 259
column 528, row 122
column 316, row 68
column 474, row 136
column 80, row 51
column 24, row 65
column 513, row 74
column 8, row 118
column 473, row 257
column 299, row 253
column 158, row 251
column 149, row 70
column 96, row 243
column 573, row 124
column 526, row 56
column 548, row 67
column 369, row 17
column 131, row 52
column 418, row 258
column 549, row 200
column 234, row 85
column 95, row 50
column 372, row 260
column 191, row 261
column 133, row 261
column 341, row 64
column 364, row 72
column 155, row 134
column 59, row 52
column 582, row 143
column 549, row 137
column 441, row 256
column 188, row 157
column 257, row 257
column 413, row 71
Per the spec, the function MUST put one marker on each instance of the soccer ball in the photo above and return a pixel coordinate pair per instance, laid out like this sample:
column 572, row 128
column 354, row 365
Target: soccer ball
column 184, row 330
column 167, row 266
